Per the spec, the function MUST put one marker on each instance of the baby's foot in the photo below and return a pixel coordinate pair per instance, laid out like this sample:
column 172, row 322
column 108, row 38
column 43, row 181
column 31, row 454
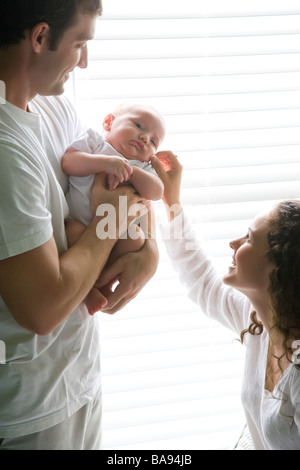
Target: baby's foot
column 95, row 301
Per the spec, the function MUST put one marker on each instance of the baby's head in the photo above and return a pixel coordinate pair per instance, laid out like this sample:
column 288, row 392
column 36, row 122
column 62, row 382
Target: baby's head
column 135, row 131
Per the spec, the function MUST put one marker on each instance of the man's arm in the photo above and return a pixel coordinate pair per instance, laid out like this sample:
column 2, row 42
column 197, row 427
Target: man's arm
column 41, row 288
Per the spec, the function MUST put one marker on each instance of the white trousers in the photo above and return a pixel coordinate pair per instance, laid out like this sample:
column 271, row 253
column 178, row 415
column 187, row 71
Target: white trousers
column 82, row 431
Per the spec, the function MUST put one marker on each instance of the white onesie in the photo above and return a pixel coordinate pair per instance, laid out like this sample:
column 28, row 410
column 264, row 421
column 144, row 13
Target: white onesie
column 79, row 192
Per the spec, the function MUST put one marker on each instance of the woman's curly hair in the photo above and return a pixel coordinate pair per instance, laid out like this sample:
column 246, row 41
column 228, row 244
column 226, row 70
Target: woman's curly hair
column 284, row 289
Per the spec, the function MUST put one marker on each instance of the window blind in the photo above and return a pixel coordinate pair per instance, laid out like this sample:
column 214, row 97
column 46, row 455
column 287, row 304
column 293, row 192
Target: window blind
column 226, row 77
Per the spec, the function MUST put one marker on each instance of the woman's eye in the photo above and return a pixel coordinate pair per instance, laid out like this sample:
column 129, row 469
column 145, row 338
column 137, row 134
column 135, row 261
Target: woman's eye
column 138, row 125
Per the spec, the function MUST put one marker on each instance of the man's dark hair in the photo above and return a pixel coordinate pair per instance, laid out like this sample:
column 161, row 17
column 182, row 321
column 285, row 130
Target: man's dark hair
column 19, row 16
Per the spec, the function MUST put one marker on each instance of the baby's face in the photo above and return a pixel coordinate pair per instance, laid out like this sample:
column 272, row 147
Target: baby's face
column 137, row 133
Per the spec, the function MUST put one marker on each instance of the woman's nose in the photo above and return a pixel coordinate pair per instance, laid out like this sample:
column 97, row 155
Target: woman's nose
column 234, row 244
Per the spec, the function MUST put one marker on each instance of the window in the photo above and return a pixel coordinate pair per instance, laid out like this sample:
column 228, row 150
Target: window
column 226, row 76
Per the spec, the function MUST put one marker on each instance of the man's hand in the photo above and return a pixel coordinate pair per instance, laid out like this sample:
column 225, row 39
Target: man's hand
column 132, row 272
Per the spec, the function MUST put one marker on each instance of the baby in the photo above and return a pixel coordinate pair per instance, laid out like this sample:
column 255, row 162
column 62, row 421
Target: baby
column 131, row 136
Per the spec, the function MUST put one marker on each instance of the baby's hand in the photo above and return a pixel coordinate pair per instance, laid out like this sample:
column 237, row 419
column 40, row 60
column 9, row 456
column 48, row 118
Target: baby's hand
column 120, row 168
column 112, row 181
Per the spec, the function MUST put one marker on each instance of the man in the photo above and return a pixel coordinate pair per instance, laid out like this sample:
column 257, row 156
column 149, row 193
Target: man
column 49, row 387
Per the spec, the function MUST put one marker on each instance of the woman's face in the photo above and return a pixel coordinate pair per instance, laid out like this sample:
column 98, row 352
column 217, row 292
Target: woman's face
column 250, row 269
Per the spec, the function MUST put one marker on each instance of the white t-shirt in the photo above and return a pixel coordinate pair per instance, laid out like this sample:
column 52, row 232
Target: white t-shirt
column 79, row 193
column 45, row 379
column 273, row 419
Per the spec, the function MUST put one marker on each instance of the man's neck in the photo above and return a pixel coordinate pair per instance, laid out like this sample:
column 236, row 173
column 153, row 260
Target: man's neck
column 13, row 73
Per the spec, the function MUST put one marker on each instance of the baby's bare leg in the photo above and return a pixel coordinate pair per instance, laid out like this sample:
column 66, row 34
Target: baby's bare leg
column 95, row 301
column 127, row 245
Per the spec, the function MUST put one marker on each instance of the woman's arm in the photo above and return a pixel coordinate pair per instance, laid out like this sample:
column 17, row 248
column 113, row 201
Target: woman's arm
column 196, row 271
column 169, row 169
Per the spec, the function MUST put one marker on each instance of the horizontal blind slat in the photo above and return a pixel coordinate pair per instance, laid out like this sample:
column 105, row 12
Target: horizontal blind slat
column 190, row 8
column 238, row 157
column 188, row 86
column 194, row 47
column 198, row 27
column 241, row 175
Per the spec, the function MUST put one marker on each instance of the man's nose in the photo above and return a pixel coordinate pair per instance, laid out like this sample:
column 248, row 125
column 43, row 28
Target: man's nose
column 83, row 62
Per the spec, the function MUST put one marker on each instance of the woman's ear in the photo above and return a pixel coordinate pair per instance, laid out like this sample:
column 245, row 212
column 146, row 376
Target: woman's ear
column 107, row 122
column 40, row 37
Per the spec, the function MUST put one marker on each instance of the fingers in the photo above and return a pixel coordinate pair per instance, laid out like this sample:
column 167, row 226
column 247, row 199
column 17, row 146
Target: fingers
column 109, row 275
column 129, row 170
column 112, row 181
column 169, row 170
column 165, row 162
column 158, row 167
column 124, row 171
column 116, row 293
column 118, row 299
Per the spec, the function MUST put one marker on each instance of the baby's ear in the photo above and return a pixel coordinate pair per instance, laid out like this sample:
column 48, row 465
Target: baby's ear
column 107, row 122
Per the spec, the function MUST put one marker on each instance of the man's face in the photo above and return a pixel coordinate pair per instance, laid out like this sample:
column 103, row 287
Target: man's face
column 54, row 67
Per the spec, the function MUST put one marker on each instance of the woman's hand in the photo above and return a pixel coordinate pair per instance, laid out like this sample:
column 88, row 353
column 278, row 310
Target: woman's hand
column 169, row 170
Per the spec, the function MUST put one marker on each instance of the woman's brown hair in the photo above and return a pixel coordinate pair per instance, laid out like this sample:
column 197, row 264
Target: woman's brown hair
column 284, row 289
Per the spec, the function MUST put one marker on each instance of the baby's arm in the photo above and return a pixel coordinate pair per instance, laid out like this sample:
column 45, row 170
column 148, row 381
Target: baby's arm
column 148, row 185
column 77, row 163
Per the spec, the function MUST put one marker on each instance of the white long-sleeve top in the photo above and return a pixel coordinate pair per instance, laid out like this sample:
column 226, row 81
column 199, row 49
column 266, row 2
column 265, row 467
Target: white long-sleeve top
column 273, row 419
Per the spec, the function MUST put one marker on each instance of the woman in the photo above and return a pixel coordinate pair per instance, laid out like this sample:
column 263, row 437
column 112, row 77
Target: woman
column 259, row 298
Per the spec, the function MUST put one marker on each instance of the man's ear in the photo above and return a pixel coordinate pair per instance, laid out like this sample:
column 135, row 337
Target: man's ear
column 107, row 122
column 40, row 37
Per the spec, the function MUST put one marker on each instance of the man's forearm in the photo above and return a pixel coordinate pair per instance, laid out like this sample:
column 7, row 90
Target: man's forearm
column 41, row 288
column 81, row 265
column 46, row 288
